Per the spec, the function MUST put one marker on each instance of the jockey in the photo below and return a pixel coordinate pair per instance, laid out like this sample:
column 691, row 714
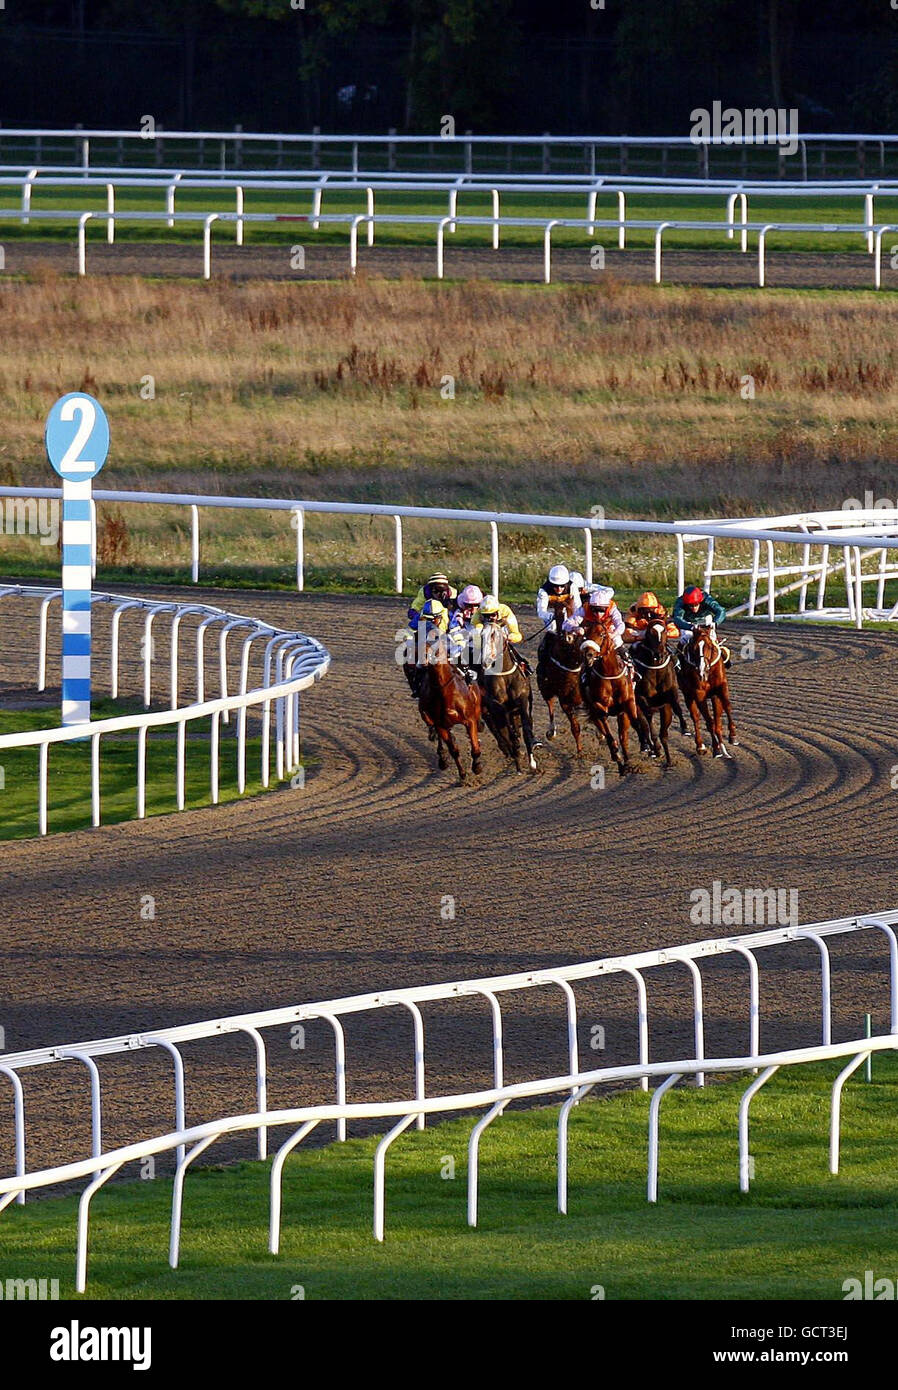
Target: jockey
column 492, row 611
column 645, row 610
column 436, row 587
column 429, row 626
column 467, row 603
column 556, row 589
column 691, row 605
column 694, row 604
column 462, row 651
column 601, row 612
column 579, row 589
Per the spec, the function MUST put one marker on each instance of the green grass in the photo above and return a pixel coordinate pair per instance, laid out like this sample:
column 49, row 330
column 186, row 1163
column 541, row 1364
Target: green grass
column 69, row 772
column 710, row 208
column 799, row 1233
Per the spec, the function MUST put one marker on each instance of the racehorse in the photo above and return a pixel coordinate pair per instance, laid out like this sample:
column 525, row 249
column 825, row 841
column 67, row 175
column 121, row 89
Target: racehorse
column 656, row 685
column 507, row 695
column 558, row 675
column 703, row 681
column 608, row 690
column 445, row 699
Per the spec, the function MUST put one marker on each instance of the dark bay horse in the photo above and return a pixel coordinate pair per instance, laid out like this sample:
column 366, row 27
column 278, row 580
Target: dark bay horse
column 445, row 699
column 703, row 681
column 507, row 696
column 558, row 676
column 608, row 690
column 656, row 685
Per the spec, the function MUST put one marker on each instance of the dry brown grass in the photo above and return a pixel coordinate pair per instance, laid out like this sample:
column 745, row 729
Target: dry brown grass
column 613, row 393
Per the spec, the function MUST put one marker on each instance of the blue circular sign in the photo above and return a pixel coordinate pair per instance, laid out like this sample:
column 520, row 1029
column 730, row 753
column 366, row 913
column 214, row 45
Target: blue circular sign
column 77, row 436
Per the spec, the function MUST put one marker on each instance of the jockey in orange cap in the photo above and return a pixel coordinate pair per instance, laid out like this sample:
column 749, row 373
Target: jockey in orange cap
column 647, row 608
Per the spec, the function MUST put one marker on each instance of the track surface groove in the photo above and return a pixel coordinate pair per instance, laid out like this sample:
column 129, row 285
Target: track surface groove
column 337, row 888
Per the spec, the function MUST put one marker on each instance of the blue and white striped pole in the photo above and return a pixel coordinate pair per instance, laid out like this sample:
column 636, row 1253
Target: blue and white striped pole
column 77, row 438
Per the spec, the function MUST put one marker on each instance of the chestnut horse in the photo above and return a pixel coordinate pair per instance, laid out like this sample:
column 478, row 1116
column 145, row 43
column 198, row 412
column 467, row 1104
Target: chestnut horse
column 656, row 685
column 608, row 690
column 703, row 681
column 507, row 696
column 558, row 675
column 444, row 700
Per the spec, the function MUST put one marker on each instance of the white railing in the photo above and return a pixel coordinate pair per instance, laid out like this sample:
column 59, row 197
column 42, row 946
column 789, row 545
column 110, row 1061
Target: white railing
column 190, row 1142
column 872, row 233
column 844, row 540
column 172, row 182
column 580, row 150
column 291, row 663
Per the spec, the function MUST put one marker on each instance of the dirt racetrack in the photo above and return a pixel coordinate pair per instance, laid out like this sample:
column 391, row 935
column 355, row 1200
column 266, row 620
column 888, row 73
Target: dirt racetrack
column 726, row 268
column 337, row 888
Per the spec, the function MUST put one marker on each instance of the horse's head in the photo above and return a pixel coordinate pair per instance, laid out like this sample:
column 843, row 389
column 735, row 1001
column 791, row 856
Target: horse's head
column 570, row 637
column 492, row 644
column 600, row 653
column 562, row 606
column 702, row 645
column 655, row 634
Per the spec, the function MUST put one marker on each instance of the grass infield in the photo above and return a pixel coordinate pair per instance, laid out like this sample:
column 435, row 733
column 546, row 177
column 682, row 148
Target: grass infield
column 69, row 772
column 800, row 1233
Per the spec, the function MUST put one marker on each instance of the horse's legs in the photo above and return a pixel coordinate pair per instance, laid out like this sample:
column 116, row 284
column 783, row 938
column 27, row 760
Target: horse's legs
column 550, row 706
column 712, row 719
column 694, row 711
column 665, row 717
column 623, row 733
column 716, row 705
column 575, row 729
column 444, row 744
column 678, row 709
column 497, row 723
column 599, row 718
column 525, row 710
column 476, row 752
column 641, row 716
column 725, row 701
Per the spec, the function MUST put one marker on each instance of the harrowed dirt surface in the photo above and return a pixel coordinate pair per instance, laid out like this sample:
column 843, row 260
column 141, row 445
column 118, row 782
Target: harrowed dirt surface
column 839, row 269
column 343, row 886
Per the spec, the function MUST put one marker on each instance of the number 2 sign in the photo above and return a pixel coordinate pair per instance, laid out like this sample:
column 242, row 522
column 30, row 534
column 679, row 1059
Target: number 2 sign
column 77, row 437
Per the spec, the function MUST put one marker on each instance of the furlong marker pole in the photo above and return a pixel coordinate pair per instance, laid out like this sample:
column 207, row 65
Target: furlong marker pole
column 76, row 588
column 77, row 439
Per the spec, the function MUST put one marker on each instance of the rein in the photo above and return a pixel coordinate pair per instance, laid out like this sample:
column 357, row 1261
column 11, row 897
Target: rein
column 651, row 665
column 571, row 670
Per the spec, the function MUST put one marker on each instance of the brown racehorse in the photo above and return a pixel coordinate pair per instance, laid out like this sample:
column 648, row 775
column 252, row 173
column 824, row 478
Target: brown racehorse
column 558, row 676
column 656, row 685
column 508, row 696
column 445, row 699
column 608, row 690
column 703, row 681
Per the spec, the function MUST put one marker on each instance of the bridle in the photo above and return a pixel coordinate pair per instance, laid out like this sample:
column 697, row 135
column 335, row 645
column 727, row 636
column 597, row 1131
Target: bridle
column 606, row 675
column 702, row 664
column 491, row 631
column 650, row 665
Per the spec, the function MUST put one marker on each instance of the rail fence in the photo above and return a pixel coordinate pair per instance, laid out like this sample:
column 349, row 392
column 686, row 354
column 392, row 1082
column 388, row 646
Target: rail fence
column 169, row 183
column 190, row 1142
column 806, row 554
column 870, row 232
column 460, row 153
column 290, row 664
